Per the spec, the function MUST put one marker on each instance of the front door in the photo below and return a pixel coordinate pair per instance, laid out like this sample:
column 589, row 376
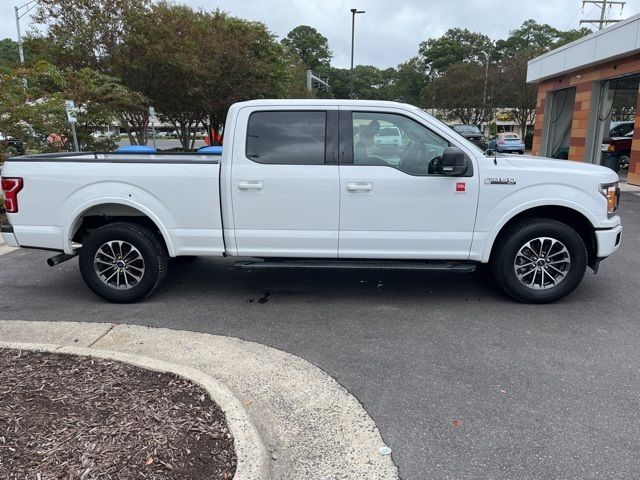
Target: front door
column 393, row 204
column 284, row 183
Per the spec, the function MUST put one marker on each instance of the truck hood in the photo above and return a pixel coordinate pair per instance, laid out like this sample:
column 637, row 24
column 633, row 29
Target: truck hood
column 551, row 165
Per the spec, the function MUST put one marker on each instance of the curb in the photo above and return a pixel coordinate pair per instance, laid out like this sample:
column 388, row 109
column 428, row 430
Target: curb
column 251, row 453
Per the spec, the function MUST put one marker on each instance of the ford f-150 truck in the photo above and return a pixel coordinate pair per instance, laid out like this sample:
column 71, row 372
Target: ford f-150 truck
column 304, row 184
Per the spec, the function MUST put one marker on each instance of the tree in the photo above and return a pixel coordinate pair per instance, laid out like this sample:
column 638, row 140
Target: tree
column 39, row 108
column 535, row 39
column 519, row 100
column 8, row 53
column 310, row 45
column 455, row 46
column 459, row 94
column 410, row 81
column 87, row 33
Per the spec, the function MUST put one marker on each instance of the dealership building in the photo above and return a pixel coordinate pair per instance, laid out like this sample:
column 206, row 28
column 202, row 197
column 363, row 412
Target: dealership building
column 588, row 99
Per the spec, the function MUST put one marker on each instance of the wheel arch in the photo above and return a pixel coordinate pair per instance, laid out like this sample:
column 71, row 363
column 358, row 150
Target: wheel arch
column 567, row 215
column 104, row 211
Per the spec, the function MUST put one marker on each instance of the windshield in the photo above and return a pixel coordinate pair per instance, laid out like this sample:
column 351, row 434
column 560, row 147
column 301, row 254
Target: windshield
column 466, row 129
column 621, row 129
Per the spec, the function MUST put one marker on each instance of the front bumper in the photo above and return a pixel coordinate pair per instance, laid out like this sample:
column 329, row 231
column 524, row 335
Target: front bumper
column 8, row 235
column 608, row 241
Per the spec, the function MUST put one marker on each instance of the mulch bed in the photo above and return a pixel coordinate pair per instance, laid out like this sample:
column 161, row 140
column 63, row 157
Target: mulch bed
column 64, row 416
column 3, row 218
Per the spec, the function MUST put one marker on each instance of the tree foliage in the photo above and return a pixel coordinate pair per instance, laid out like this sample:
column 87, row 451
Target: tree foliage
column 457, row 45
column 310, row 45
column 87, row 33
column 40, row 106
column 459, row 94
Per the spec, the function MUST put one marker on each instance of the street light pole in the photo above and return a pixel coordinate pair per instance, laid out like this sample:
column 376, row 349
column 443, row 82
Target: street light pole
column 29, row 6
column 486, row 78
column 20, row 50
column 354, row 11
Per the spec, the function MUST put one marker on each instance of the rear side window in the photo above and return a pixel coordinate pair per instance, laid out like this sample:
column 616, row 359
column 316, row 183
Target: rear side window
column 289, row 138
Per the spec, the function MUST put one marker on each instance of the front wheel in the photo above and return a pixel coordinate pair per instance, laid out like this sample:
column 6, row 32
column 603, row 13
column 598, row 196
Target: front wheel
column 539, row 260
column 123, row 262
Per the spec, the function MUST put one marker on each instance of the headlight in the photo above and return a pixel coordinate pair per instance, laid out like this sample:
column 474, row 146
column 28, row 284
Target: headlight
column 611, row 192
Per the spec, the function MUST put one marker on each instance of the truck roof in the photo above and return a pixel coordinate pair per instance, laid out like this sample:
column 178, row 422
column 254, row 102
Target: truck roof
column 319, row 102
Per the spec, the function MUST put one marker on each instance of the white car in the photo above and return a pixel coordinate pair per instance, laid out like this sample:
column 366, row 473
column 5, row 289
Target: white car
column 388, row 137
column 291, row 189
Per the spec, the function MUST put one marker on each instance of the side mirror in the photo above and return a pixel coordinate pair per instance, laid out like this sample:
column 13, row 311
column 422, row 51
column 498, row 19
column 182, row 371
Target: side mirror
column 454, row 162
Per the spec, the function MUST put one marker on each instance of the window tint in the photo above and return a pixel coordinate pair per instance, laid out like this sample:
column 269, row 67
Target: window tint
column 287, row 137
column 411, row 148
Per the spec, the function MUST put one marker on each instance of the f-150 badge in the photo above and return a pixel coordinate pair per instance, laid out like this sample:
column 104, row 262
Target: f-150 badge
column 500, row 181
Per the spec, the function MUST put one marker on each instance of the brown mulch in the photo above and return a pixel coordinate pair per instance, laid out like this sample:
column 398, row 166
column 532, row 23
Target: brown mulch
column 3, row 217
column 71, row 417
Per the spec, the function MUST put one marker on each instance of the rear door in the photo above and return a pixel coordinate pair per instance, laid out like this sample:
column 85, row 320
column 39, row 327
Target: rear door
column 392, row 203
column 284, row 182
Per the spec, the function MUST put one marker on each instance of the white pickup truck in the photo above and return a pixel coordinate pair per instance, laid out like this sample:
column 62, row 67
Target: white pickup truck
column 303, row 183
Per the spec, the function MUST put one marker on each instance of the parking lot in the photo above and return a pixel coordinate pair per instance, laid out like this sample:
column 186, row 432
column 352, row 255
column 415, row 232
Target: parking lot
column 461, row 381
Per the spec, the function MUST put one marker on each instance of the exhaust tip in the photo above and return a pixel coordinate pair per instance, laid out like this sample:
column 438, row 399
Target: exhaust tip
column 58, row 259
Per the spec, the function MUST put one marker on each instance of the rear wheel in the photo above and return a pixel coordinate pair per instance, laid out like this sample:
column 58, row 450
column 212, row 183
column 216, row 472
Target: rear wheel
column 123, row 262
column 539, row 260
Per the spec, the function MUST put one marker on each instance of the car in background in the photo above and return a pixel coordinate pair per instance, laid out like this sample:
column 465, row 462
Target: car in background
column 616, row 151
column 506, row 142
column 471, row 133
column 620, row 129
column 10, row 142
column 388, row 137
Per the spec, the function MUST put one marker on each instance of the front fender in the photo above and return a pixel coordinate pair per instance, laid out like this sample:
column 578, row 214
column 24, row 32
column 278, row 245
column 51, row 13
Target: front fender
column 494, row 214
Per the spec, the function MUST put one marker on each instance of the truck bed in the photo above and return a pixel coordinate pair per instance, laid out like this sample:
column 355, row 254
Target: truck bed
column 178, row 192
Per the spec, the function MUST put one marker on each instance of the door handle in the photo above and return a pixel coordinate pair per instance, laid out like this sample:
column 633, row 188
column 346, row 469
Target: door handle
column 250, row 185
column 359, row 187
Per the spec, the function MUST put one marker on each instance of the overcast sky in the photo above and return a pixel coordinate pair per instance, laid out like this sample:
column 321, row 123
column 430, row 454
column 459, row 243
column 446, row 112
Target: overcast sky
column 390, row 30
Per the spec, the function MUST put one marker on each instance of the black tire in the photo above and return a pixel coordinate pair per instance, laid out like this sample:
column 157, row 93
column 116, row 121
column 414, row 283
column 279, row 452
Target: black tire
column 521, row 152
column 515, row 237
column 150, row 249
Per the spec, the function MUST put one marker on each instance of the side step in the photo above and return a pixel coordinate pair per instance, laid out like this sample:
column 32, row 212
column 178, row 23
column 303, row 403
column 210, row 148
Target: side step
column 462, row 267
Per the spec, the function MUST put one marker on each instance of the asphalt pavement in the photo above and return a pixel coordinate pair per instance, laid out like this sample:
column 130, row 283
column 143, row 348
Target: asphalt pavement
column 461, row 381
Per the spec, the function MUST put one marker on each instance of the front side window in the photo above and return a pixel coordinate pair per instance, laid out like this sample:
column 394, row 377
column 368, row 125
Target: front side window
column 387, row 139
column 289, row 138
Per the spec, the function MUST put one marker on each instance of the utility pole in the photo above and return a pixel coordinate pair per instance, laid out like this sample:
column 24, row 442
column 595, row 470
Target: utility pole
column 602, row 4
column 354, row 11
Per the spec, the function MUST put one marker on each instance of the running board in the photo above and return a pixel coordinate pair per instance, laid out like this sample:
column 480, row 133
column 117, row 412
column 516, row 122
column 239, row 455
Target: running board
column 461, row 267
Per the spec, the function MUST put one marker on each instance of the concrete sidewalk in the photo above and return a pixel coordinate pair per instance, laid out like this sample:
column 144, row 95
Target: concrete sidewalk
column 4, row 248
column 312, row 427
column 625, row 187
